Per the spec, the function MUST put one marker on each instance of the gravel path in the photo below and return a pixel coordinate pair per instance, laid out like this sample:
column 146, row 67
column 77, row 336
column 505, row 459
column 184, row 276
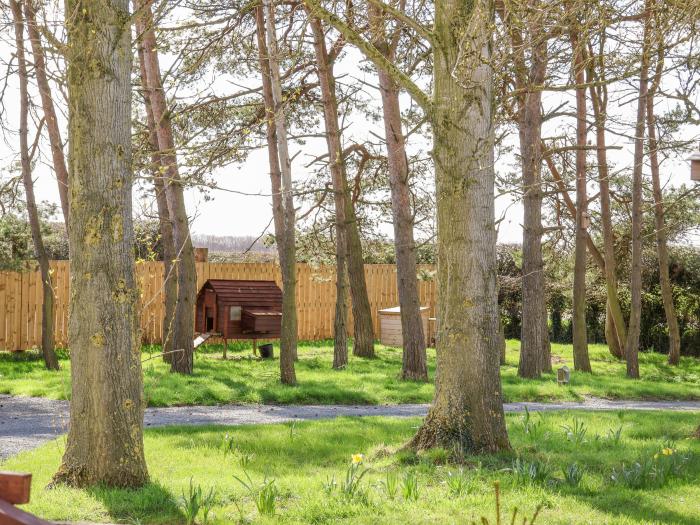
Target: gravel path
column 27, row 422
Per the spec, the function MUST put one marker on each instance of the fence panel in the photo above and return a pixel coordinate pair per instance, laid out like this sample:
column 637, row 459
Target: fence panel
column 21, row 298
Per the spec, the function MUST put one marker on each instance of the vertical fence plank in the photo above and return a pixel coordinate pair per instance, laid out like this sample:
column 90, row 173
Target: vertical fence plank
column 3, row 310
column 15, row 312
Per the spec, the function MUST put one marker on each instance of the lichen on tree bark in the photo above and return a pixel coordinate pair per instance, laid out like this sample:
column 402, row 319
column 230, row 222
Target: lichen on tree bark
column 105, row 440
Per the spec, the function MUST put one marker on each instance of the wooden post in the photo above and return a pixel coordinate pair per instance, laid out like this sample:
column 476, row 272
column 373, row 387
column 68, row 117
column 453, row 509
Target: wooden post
column 14, row 487
column 14, row 490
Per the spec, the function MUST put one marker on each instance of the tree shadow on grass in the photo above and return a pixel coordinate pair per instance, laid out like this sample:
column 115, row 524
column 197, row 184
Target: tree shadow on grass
column 629, row 504
column 302, row 444
column 314, row 393
column 152, row 504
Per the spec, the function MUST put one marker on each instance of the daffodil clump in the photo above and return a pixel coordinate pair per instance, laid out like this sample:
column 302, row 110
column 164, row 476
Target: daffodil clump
column 350, row 488
column 666, row 451
column 651, row 470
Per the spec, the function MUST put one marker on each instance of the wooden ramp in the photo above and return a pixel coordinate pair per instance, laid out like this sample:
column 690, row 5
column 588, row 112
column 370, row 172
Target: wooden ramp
column 201, row 338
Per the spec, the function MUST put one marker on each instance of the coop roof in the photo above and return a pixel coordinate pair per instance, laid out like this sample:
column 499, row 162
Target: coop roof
column 396, row 310
column 260, row 294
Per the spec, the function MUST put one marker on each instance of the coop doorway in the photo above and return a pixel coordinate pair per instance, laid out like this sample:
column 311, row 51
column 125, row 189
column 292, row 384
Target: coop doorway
column 209, row 317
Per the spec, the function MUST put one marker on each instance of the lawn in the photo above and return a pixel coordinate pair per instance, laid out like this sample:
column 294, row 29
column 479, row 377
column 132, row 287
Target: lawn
column 302, row 460
column 242, row 379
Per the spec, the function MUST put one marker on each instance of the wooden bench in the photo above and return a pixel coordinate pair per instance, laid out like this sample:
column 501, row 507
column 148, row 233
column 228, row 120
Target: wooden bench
column 14, row 490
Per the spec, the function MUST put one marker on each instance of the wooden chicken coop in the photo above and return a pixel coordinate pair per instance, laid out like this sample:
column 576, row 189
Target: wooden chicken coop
column 695, row 166
column 233, row 309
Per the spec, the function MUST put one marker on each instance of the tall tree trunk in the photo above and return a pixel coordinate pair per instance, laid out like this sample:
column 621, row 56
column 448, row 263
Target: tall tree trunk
column 467, row 410
column 164, row 223
column 340, row 193
column 414, row 365
column 183, row 330
column 534, row 341
column 47, row 310
column 674, row 335
column 105, row 438
column 534, row 337
column 59, row 160
column 615, row 327
column 281, row 183
column 632, row 344
column 346, row 225
column 581, row 358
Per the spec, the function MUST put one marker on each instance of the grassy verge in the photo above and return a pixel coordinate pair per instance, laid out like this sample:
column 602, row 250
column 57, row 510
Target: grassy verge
column 241, row 379
column 303, row 460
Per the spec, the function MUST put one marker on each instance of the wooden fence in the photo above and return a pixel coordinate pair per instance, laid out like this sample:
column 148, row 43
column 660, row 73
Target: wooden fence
column 21, row 298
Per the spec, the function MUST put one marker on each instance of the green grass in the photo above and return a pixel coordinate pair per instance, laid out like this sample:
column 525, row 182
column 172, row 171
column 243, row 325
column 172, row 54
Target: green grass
column 241, row 379
column 303, row 457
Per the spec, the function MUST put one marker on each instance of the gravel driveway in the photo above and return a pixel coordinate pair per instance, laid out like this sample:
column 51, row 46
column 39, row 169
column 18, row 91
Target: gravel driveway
column 27, row 422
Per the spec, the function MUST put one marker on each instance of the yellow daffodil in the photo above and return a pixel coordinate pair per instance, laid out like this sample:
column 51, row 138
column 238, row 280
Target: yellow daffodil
column 667, row 451
column 357, row 459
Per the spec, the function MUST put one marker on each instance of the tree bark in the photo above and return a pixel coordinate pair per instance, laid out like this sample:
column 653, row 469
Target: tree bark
column 183, row 330
column 611, row 336
column 47, row 310
column 105, row 438
column 362, row 326
column 281, row 183
column 615, row 326
column 501, row 342
column 164, row 223
column 414, row 363
column 546, row 353
column 581, row 359
column 57, row 156
column 674, row 335
column 467, row 410
column 632, row 343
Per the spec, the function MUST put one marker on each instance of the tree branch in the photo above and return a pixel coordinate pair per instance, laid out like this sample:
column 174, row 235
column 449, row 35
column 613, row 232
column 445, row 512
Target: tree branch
column 371, row 53
column 402, row 17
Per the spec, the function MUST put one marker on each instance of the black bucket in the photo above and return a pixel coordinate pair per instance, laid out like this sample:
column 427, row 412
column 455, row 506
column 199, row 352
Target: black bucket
column 266, row 351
